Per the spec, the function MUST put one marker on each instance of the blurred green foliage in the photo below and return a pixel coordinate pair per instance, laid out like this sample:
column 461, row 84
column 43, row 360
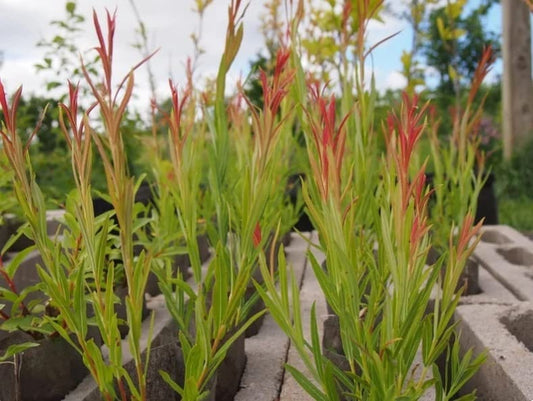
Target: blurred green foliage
column 51, row 158
column 514, row 179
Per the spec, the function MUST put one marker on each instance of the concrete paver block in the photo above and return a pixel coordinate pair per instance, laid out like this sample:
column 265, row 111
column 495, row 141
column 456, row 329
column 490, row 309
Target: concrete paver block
column 495, row 320
column 310, row 292
column 507, row 373
column 508, row 256
column 267, row 352
column 492, row 291
column 163, row 325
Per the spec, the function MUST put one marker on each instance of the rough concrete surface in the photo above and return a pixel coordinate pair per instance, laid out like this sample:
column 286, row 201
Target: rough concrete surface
column 492, row 291
column 310, row 293
column 267, row 352
column 503, row 256
column 507, row 373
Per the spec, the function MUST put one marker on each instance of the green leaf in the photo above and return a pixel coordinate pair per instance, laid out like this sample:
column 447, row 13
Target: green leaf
column 175, row 386
column 16, row 349
column 15, row 263
column 23, row 323
column 442, row 30
column 53, row 85
column 306, row 384
column 70, row 6
column 452, row 72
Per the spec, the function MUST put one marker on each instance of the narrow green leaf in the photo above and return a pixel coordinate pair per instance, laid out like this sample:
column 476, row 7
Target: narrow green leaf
column 306, row 384
column 16, row 349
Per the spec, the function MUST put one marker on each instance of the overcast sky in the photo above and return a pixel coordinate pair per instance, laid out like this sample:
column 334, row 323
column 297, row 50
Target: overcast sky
column 169, row 23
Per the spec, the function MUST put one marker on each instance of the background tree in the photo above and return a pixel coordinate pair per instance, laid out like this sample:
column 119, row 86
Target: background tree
column 62, row 56
column 454, row 42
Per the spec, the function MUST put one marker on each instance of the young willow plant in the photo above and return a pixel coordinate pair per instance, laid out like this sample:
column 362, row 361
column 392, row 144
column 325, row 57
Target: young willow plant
column 404, row 242
column 377, row 298
column 459, row 170
column 238, row 152
column 370, row 212
column 79, row 271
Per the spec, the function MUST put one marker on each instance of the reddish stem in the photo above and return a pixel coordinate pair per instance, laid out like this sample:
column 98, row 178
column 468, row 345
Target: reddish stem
column 9, row 281
column 122, row 390
column 12, row 287
column 3, row 315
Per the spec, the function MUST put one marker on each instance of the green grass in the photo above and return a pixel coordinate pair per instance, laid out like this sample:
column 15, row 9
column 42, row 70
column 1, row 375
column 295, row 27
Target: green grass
column 516, row 212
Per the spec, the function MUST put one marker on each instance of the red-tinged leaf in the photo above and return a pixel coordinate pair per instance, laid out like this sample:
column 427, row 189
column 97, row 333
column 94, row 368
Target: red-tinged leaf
column 482, row 69
column 257, row 235
column 10, row 112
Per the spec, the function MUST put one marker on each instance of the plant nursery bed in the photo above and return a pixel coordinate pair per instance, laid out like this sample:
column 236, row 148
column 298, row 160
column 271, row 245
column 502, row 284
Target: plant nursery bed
column 496, row 320
column 262, row 376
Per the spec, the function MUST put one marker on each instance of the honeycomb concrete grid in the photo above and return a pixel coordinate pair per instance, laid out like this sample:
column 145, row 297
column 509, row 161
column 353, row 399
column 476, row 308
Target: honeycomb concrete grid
column 508, row 256
column 496, row 320
column 508, row 371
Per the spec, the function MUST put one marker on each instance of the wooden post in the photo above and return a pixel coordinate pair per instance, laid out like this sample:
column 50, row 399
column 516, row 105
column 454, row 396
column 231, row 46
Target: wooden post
column 517, row 83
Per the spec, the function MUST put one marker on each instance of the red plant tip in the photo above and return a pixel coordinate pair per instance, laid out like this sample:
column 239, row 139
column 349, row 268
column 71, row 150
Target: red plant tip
column 346, row 11
column 418, row 230
column 3, row 102
column 71, row 112
column 274, row 93
column 235, row 108
column 329, row 140
column 467, row 233
column 171, row 176
column 73, row 96
column 404, row 131
column 10, row 113
column 177, row 111
column 256, row 237
column 419, row 189
column 482, row 69
column 105, row 50
column 282, row 57
column 153, row 105
column 345, row 22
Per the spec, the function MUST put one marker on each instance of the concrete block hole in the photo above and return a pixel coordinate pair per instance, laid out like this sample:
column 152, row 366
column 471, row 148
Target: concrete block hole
column 517, row 255
column 521, row 327
column 495, row 237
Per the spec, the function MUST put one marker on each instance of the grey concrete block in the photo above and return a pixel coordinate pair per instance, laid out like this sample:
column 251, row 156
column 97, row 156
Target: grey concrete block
column 164, row 336
column 230, row 371
column 45, row 373
column 508, row 255
column 310, row 292
column 54, row 221
column 266, row 354
column 492, row 291
column 267, row 351
column 506, row 375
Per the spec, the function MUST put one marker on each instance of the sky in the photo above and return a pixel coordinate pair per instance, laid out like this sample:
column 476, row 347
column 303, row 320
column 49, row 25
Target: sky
column 169, row 25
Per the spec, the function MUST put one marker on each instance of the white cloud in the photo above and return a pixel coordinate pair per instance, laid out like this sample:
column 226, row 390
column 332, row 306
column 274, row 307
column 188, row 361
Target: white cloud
column 395, row 80
column 169, row 25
